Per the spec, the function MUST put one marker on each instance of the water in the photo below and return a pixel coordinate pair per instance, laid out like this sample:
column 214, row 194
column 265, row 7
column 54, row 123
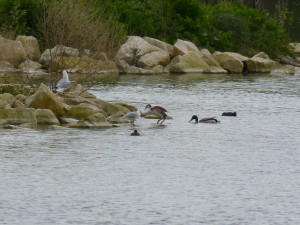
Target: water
column 244, row 170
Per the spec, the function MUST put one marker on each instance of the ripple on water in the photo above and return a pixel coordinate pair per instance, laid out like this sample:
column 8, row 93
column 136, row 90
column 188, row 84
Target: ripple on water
column 243, row 170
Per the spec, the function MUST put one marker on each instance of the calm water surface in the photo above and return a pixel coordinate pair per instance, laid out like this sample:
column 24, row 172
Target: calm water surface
column 244, row 170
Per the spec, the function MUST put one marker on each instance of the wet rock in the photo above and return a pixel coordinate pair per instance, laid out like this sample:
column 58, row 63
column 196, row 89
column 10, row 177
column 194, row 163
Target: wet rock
column 82, row 111
column 79, row 90
column 187, row 63
column 46, row 116
column 43, row 98
column 284, row 70
column 18, row 116
column 230, row 61
column 261, row 65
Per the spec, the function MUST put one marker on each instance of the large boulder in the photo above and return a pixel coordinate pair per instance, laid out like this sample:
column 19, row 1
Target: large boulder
column 6, row 100
column 78, row 90
column 82, row 111
column 59, row 50
column 110, row 108
column 43, row 98
column 138, row 52
column 187, row 63
column 261, row 65
column 46, row 117
column 30, row 66
column 6, row 66
column 182, row 47
column 232, row 62
column 18, row 116
column 12, row 51
column 31, row 46
column 160, row 44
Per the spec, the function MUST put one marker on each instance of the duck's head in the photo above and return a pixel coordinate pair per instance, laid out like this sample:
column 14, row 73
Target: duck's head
column 194, row 117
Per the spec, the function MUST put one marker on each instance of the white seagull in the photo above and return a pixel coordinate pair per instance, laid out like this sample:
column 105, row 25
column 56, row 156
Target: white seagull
column 132, row 116
column 64, row 82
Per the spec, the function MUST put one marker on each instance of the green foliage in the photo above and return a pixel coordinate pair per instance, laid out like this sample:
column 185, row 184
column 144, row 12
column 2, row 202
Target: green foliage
column 224, row 26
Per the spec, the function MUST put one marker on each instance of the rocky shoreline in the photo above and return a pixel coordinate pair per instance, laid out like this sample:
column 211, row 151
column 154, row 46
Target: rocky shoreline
column 24, row 106
column 136, row 56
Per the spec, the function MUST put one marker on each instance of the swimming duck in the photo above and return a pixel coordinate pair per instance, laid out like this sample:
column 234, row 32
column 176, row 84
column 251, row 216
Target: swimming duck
column 229, row 114
column 204, row 120
column 135, row 133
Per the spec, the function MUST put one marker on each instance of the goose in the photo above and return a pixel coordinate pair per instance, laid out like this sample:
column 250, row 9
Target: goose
column 229, row 114
column 157, row 111
column 135, row 133
column 132, row 116
column 204, row 120
column 64, row 82
column 148, row 106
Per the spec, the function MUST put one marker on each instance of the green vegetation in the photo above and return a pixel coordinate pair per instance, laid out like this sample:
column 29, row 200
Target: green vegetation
column 224, row 26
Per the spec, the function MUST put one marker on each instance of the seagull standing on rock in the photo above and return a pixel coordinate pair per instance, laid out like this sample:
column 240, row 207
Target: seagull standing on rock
column 64, row 82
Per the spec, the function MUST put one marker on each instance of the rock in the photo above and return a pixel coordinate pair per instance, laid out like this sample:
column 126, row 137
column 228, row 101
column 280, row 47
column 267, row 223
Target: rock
column 296, row 48
column 29, row 66
column 43, row 98
column 6, row 66
column 20, row 97
column 284, row 70
column 139, row 53
column 215, row 70
column 183, row 47
column 46, row 116
column 78, row 90
column 84, row 65
column 139, row 71
column 82, row 111
column 58, row 50
column 233, row 62
column 189, row 62
column 117, row 118
column 110, row 108
column 7, row 99
column 97, row 118
column 31, row 46
column 12, row 51
column 261, row 55
column 261, row 65
column 209, row 60
column 18, row 116
column 16, row 89
column 205, row 51
column 160, row 44
column 18, row 104
column 100, row 56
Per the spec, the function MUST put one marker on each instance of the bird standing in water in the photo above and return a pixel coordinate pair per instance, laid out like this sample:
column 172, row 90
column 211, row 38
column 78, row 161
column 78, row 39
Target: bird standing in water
column 204, row 120
column 132, row 116
column 158, row 111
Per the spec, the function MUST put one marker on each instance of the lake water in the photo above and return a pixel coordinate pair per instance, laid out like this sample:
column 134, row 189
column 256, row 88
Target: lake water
column 243, row 170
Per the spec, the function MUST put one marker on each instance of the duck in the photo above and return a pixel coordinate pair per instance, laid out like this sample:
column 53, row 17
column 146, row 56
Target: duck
column 135, row 133
column 204, row 120
column 229, row 114
column 132, row 116
column 158, row 111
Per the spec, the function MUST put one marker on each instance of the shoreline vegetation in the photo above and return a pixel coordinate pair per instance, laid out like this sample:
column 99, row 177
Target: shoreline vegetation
column 80, row 38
